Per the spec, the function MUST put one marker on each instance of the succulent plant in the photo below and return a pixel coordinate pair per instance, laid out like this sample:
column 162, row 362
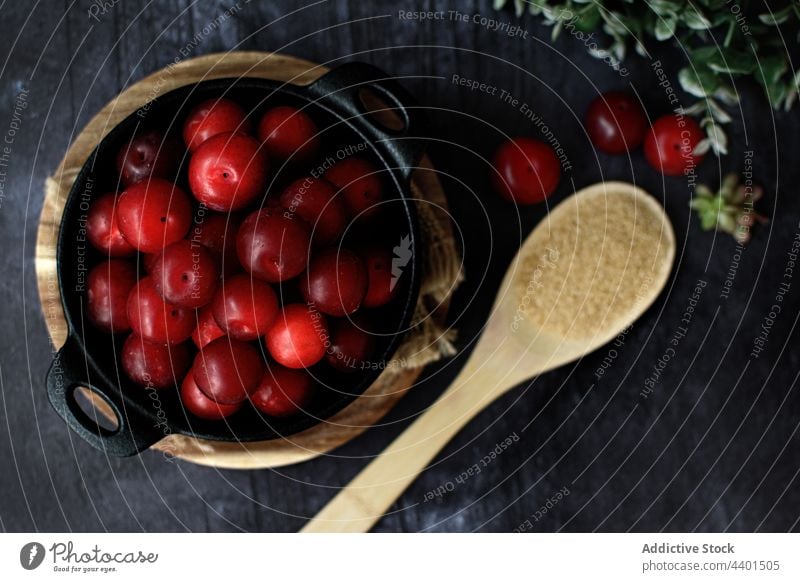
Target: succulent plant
column 730, row 209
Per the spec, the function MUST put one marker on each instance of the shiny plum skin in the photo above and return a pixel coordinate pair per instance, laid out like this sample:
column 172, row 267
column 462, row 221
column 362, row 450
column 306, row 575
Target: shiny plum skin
column 156, row 320
column 283, row 392
column 227, row 370
column 616, row 122
column 107, row 288
column 351, row 346
column 149, row 260
column 102, row 228
column 228, row 171
column 298, row 338
column 201, row 405
column 217, row 232
column 154, row 365
column 213, row 117
column 670, row 143
column 525, row 170
column 382, row 286
column 149, row 154
column 288, row 134
column 360, row 184
column 153, row 215
column 336, row 282
column 186, row 274
column 315, row 201
column 272, row 245
column 245, row 307
column 207, row 329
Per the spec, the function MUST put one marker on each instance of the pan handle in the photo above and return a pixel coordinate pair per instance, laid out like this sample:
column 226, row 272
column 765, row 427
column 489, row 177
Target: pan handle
column 67, row 373
column 340, row 90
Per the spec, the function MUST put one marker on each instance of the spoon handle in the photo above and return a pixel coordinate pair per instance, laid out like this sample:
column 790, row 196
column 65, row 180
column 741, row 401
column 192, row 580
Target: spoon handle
column 369, row 495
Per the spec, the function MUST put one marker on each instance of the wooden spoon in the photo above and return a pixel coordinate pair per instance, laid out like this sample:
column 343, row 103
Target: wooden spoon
column 621, row 245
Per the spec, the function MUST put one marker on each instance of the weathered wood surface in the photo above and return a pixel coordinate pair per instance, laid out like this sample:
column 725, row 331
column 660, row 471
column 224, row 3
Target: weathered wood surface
column 714, row 445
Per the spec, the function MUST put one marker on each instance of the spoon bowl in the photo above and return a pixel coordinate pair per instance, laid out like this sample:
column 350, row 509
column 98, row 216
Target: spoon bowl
column 589, row 270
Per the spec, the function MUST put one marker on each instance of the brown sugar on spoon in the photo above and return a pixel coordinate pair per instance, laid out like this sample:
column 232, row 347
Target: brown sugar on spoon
column 594, row 257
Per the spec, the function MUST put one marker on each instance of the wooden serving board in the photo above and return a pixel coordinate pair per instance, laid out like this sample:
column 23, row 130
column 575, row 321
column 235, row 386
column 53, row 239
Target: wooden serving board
column 342, row 427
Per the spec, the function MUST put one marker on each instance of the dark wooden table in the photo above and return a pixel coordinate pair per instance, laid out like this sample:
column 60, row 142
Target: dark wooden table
column 713, row 447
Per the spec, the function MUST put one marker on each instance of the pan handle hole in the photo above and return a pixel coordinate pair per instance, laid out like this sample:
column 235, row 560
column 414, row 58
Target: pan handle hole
column 95, row 411
column 381, row 110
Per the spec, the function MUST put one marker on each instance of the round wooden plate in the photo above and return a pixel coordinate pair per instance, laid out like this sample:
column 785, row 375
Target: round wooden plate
column 342, row 427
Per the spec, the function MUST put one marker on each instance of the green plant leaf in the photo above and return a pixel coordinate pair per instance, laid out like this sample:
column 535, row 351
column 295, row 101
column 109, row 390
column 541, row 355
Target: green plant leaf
column 588, row 19
column 694, row 19
column 615, row 23
column 702, row 54
column 699, row 83
column 702, row 147
column 770, row 70
column 777, row 94
column 534, row 8
column 713, row 5
column 665, row 7
column 717, row 138
column 727, row 95
column 790, row 98
column 776, row 18
column 665, row 26
column 731, row 62
column 717, row 112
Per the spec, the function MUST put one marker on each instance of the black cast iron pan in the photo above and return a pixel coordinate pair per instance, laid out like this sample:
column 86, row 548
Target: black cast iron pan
column 89, row 357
